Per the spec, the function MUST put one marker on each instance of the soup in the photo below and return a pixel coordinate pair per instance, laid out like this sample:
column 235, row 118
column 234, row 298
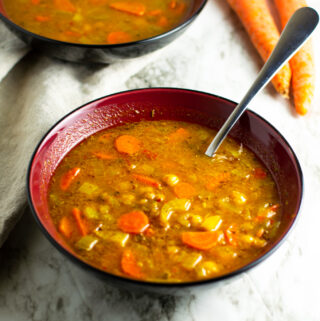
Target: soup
column 97, row 21
column 143, row 201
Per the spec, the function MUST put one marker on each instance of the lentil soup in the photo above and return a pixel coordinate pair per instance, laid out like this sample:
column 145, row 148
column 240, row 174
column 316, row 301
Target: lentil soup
column 143, row 201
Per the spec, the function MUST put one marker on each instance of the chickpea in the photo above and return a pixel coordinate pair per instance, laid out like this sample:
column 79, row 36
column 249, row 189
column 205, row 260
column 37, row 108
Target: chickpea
column 150, row 195
column 143, row 201
column 196, row 220
column 128, row 199
column 171, row 179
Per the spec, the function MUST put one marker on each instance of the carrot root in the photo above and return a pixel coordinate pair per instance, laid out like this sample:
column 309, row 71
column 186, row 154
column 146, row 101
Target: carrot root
column 257, row 20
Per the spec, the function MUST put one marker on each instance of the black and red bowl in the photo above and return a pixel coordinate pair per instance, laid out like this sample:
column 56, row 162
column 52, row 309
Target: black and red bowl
column 155, row 104
column 83, row 53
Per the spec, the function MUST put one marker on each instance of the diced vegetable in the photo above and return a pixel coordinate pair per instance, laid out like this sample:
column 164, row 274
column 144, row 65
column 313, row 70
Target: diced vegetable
column 130, row 266
column 173, row 206
column 116, row 37
column 66, row 226
column 171, row 179
column 183, row 219
column 87, row 243
column 206, row 268
column 116, row 237
column 147, row 180
column 212, row 223
column 65, row 5
column 127, row 144
column 239, row 198
column 196, row 220
column 202, row 240
column 104, row 209
column 135, row 8
column 68, row 177
column 88, row 188
column 191, row 260
column 91, row 213
column 81, row 223
column 179, row 136
column 128, row 199
column 104, row 156
column 134, row 222
column 184, row 190
column 230, row 235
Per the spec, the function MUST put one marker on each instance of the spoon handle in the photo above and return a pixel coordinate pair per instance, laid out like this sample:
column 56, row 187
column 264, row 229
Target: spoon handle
column 296, row 32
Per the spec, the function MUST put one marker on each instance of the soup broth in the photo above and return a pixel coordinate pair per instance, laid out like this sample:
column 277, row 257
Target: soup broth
column 143, row 201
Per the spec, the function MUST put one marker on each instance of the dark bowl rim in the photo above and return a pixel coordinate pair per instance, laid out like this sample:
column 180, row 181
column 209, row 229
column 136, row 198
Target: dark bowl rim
column 52, row 41
column 160, row 285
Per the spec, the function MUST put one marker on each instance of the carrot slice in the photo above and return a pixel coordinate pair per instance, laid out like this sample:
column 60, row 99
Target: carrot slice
column 81, row 223
column 302, row 63
column 42, row 18
column 184, row 190
column 147, row 180
column 259, row 173
column 133, row 222
column 115, row 37
column 127, row 144
column 66, row 226
column 130, row 266
column 135, row 8
column 202, row 240
column 163, row 21
column 65, row 5
column 257, row 20
column 214, row 182
column 68, row 177
column 104, row 156
column 156, row 12
column 173, row 4
column 179, row 136
column 35, row 1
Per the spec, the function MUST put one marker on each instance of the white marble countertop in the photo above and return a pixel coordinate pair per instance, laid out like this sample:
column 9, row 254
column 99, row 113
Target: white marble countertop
column 37, row 283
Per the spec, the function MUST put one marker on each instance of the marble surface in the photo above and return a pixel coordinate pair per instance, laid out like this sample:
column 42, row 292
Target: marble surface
column 37, row 283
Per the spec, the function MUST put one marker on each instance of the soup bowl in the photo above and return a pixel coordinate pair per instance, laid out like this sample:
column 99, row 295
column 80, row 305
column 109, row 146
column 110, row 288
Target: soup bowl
column 163, row 104
column 84, row 53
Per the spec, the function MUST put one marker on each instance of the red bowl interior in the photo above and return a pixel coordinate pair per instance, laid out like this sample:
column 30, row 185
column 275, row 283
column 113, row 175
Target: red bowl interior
column 175, row 104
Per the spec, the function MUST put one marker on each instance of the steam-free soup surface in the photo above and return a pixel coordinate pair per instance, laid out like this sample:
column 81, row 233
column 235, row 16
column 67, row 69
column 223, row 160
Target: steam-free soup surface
column 143, row 201
column 97, row 21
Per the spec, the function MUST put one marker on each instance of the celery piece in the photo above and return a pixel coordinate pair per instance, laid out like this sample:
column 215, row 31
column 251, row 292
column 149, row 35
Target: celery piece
column 117, row 237
column 190, row 261
column 91, row 213
column 87, row 243
column 212, row 223
column 172, row 206
column 88, row 188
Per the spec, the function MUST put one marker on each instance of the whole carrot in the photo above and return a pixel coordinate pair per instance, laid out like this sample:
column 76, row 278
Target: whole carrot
column 302, row 63
column 257, row 20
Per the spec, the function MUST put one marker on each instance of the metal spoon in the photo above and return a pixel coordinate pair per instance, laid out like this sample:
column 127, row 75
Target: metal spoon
column 296, row 32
